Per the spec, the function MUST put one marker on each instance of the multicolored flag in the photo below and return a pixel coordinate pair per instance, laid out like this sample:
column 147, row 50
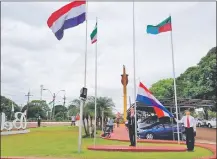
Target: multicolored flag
column 164, row 26
column 144, row 96
column 93, row 35
column 67, row 17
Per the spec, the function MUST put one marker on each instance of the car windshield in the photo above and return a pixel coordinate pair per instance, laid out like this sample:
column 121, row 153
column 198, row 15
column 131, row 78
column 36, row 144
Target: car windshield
column 159, row 126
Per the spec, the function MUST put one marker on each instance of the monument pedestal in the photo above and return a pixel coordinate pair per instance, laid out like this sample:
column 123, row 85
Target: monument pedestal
column 13, row 132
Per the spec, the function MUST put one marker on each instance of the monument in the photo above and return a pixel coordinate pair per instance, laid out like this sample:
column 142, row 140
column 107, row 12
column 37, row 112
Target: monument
column 17, row 126
column 124, row 81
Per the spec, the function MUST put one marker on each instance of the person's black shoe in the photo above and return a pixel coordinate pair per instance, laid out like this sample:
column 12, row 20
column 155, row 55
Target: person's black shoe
column 130, row 145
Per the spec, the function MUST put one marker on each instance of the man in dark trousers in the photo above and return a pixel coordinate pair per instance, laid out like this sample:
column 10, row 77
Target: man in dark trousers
column 39, row 121
column 190, row 129
column 131, row 127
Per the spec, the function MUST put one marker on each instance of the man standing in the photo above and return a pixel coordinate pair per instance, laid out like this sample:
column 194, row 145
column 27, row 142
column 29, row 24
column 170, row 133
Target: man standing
column 190, row 129
column 39, row 121
column 110, row 123
column 73, row 120
column 131, row 127
column 118, row 119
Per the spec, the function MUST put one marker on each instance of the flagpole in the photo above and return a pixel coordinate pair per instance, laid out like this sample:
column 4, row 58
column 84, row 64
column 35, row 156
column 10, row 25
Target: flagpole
column 134, row 72
column 95, row 84
column 174, row 83
column 82, row 101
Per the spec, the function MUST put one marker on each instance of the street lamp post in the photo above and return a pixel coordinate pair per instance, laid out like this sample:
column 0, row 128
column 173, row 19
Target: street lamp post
column 54, row 97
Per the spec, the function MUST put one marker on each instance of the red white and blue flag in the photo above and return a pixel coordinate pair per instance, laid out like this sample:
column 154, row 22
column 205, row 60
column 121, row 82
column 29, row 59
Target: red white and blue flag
column 67, row 17
column 144, row 96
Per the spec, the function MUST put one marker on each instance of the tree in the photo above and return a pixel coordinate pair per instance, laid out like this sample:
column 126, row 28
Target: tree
column 104, row 104
column 60, row 112
column 73, row 110
column 200, row 81
column 196, row 82
column 36, row 108
column 6, row 107
column 163, row 88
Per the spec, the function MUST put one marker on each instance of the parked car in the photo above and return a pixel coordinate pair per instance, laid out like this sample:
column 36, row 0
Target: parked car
column 211, row 123
column 200, row 122
column 151, row 120
column 147, row 121
column 161, row 131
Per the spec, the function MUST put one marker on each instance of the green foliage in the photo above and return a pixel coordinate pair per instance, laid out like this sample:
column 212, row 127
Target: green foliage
column 36, row 108
column 6, row 107
column 163, row 88
column 104, row 104
column 60, row 112
column 60, row 108
column 211, row 114
column 200, row 81
column 60, row 116
column 196, row 82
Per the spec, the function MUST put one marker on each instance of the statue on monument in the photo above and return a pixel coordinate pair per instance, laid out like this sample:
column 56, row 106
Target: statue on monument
column 124, row 81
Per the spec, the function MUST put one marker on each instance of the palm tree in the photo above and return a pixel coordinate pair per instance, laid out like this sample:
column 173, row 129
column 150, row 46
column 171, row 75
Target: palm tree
column 104, row 104
column 76, row 103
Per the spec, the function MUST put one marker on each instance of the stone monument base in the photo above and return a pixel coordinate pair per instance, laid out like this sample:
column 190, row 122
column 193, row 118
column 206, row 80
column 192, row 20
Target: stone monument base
column 14, row 132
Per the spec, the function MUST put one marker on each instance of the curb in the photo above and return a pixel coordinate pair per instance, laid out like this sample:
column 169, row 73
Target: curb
column 210, row 147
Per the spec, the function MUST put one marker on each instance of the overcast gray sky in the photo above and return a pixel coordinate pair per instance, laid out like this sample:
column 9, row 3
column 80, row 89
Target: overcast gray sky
column 31, row 55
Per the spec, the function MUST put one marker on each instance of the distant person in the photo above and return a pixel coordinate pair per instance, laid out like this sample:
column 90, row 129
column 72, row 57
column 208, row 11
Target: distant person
column 190, row 129
column 39, row 121
column 91, row 131
column 110, row 123
column 118, row 119
column 131, row 127
column 73, row 120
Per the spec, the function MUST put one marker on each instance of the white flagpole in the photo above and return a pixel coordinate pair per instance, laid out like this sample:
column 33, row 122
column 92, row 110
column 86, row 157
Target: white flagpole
column 82, row 102
column 174, row 83
column 134, row 72
column 12, row 109
column 95, row 82
column 12, row 106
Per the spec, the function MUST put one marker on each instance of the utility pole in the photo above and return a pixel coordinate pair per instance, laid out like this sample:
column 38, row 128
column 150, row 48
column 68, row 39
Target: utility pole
column 64, row 100
column 41, row 92
column 41, row 98
column 54, row 96
column 28, row 95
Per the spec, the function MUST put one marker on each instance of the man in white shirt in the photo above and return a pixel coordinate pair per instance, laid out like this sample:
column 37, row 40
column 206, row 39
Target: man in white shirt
column 110, row 123
column 73, row 120
column 190, row 129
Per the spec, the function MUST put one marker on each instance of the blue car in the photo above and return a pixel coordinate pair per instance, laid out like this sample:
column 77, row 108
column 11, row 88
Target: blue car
column 161, row 131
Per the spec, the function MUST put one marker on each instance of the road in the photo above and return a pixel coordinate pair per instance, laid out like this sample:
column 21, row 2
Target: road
column 208, row 134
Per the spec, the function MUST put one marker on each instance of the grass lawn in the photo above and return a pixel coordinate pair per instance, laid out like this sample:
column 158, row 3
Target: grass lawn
column 62, row 142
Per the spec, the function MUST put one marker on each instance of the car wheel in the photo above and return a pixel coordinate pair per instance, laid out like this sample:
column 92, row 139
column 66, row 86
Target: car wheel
column 209, row 125
column 149, row 136
column 199, row 125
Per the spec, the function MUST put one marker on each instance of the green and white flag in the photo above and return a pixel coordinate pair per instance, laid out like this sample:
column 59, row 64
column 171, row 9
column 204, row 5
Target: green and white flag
column 93, row 35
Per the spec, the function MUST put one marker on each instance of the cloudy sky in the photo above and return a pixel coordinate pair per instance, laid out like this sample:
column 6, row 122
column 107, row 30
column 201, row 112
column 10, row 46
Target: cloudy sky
column 31, row 55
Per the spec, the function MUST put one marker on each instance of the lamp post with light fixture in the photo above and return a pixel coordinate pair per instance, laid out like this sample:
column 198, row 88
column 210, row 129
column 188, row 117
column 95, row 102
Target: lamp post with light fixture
column 54, row 97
